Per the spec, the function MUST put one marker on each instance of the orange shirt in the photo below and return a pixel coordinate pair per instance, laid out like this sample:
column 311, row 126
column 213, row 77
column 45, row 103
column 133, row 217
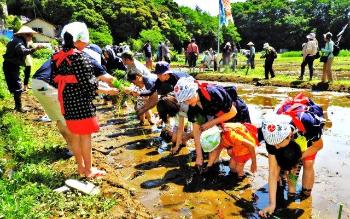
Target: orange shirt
column 233, row 136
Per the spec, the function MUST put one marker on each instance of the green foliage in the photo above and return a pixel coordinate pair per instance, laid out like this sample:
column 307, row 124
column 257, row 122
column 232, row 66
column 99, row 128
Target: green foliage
column 13, row 22
column 100, row 38
column 291, row 54
column 136, row 45
column 154, row 36
column 285, row 24
column 344, row 53
column 43, row 53
column 4, row 40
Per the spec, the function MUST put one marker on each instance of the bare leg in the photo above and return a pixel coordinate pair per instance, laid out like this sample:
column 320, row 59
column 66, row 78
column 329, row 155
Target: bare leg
column 308, row 174
column 239, row 169
column 86, row 151
column 67, row 135
column 324, row 72
column 233, row 165
column 75, row 143
column 329, row 69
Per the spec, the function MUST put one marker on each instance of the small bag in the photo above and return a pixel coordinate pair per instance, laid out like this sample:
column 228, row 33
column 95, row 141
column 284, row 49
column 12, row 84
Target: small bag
column 324, row 59
column 336, row 50
column 317, row 55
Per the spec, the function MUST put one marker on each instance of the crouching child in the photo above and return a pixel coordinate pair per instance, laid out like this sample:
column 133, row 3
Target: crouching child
column 240, row 141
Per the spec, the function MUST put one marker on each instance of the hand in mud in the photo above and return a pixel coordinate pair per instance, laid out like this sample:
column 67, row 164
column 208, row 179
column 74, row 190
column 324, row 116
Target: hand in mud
column 199, row 161
column 266, row 212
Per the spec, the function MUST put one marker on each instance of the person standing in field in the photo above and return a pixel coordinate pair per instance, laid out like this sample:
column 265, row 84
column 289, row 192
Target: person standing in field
column 328, row 52
column 147, row 49
column 192, row 52
column 309, row 52
column 16, row 52
column 74, row 76
column 251, row 58
column 269, row 54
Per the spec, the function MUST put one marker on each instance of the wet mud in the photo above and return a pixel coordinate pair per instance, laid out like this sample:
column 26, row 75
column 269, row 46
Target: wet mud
column 151, row 183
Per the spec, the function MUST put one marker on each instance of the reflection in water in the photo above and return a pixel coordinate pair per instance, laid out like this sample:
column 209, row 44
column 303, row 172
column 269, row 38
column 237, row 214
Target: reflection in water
column 171, row 187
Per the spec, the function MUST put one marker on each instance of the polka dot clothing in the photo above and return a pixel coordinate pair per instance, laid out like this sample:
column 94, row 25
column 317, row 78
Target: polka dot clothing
column 78, row 96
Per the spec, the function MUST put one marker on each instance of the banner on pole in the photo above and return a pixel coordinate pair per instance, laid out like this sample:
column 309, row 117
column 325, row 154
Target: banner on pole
column 225, row 15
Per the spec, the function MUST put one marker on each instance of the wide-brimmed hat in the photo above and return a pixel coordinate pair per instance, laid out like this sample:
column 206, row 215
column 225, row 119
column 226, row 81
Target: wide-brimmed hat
column 25, row 30
column 266, row 45
column 250, row 44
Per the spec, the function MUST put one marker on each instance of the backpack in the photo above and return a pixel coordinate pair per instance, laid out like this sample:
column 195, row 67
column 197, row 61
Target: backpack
column 336, row 50
column 301, row 104
column 242, row 108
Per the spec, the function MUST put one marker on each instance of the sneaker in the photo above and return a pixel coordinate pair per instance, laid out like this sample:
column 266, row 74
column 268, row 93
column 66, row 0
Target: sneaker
column 44, row 119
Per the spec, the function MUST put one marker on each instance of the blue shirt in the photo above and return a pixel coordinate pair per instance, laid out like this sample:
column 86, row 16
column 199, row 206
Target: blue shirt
column 166, row 87
column 221, row 101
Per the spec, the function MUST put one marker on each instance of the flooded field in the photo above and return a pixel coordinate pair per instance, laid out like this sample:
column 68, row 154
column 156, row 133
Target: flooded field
column 169, row 187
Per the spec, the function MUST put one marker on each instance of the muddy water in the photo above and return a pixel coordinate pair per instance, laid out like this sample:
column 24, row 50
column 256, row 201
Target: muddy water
column 170, row 188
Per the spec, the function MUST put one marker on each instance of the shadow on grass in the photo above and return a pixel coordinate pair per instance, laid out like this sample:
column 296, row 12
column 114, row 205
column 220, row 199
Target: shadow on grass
column 321, row 86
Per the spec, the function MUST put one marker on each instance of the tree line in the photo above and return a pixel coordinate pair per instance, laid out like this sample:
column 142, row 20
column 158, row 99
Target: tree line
column 282, row 23
column 285, row 23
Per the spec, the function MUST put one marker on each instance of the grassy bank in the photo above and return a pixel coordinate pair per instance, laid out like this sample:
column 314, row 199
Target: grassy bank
column 29, row 154
column 287, row 70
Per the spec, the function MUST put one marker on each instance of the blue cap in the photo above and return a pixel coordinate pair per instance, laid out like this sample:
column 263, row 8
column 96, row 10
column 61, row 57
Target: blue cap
column 161, row 67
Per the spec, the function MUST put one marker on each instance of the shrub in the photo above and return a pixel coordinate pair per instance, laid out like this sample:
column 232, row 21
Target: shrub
column 4, row 40
column 43, row 53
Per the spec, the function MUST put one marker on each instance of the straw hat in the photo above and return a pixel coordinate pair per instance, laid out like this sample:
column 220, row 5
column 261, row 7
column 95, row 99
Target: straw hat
column 25, row 30
column 250, row 44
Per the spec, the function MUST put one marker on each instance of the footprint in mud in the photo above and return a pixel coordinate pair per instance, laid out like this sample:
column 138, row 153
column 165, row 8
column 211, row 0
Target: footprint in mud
column 136, row 174
column 154, row 183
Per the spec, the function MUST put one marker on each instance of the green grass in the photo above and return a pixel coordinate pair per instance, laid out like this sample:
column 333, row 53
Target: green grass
column 28, row 152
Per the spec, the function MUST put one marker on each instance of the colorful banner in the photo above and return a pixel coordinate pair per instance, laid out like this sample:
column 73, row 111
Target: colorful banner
column 225, row 15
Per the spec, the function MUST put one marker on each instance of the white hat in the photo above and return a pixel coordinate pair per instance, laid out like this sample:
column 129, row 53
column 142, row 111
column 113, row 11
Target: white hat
column 250, row 44
column 25, row 30
column 276, row 128
column 228, row 44
column 311, row 36
column 210, row 139
column 266, row 45
column 185, row 89
column 78, row 30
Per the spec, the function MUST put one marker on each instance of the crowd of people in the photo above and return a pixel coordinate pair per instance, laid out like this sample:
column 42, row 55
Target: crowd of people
column 215, row 117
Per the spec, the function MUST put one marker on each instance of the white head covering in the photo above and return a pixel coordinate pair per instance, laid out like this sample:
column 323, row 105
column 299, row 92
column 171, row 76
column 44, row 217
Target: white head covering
column 266, row 45
column 78, row 30
column 210, row 139
column 276, row 128
column 250, row 44
column 185, row 89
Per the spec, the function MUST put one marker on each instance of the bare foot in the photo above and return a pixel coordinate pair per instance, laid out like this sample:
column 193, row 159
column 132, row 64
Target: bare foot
column 95, row 173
